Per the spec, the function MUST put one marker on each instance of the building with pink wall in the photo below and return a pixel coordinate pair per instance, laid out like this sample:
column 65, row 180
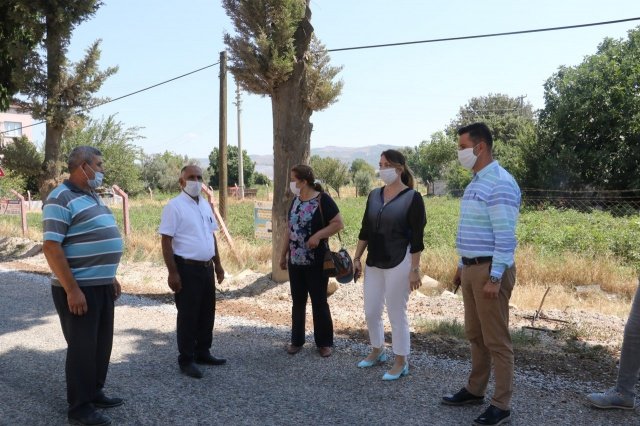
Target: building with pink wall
column 12, row 125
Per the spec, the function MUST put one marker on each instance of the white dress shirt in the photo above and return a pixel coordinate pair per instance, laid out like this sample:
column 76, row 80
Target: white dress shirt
column 191, row 225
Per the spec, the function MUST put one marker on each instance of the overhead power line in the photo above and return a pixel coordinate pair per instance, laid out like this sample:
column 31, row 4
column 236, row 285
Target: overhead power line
column 509, row 33
column 375, row 46
column 124, row 96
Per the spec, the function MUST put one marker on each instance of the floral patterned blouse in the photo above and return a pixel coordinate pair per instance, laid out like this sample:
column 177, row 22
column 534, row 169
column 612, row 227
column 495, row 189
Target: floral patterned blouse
column 304, row 221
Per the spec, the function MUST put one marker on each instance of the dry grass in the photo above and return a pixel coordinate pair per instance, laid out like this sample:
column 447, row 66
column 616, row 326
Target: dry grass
column 536, row 270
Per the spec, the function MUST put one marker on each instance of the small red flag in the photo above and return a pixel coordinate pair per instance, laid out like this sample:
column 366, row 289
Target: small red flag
column 1, row 172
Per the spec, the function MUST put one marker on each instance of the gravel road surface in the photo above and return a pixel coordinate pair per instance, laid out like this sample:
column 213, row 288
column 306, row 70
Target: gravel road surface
column 260, row 385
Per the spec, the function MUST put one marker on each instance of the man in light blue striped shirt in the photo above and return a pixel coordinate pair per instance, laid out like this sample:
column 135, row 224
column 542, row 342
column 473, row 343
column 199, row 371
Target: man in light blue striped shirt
column 486, row 243
column 83, row 247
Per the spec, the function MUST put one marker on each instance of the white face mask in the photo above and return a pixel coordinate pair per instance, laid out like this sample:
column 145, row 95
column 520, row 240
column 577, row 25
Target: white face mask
column 193, row 187
column 294, row 188
column 467, row 158
column 388, row 176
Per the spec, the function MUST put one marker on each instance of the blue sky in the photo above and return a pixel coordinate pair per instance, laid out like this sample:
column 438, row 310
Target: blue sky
column 396, row 95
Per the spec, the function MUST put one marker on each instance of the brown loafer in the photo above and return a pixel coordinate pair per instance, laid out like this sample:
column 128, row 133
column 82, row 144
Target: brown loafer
column 293, row 349
column 325, row 351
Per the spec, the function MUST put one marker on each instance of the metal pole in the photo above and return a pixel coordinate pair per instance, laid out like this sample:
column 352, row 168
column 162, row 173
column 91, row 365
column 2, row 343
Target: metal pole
column 240, row 156
column 222, row 157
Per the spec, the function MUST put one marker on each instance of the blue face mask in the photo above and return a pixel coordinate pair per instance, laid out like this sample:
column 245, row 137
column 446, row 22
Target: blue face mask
column 96, row 182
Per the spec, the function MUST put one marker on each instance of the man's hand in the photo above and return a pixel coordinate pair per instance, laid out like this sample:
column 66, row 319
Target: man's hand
column 457, row 278
column 77, row 302
column 219, row 272
column 117, row 289
column 174, row 281
column 491, row 290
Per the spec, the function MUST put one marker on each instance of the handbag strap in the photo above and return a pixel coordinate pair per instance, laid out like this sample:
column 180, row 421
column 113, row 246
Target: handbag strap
column 323, row 222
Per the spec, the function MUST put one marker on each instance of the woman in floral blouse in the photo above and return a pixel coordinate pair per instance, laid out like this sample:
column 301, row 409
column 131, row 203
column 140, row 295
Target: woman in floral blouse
column 313, row 218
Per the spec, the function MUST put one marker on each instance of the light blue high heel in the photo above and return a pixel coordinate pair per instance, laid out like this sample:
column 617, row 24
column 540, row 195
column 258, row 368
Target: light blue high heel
column 382, row 357
column 404, row 372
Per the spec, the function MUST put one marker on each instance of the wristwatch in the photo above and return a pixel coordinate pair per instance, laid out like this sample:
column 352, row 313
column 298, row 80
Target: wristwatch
column 494, row 280
column 416, row 269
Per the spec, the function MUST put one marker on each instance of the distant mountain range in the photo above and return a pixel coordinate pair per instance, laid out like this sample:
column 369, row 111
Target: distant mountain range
column 370, row 154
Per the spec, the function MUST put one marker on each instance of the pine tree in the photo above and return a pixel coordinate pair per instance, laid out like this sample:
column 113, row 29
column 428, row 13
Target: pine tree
column 274, row 53
column 58, row 91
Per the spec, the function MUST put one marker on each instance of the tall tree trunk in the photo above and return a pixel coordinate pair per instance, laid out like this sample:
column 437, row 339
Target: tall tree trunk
column 291, row 140
column 51, row 170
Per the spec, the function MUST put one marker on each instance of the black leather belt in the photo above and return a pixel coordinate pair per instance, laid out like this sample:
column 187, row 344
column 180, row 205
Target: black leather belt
column 201, row 263
column 476, row 260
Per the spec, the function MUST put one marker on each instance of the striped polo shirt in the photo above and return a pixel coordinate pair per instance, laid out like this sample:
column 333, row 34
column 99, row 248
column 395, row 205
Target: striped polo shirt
column 87, row 232
column 488, row 217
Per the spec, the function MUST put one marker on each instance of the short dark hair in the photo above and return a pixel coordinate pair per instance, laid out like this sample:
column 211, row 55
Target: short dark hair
column 478, row 132
column 81, row 154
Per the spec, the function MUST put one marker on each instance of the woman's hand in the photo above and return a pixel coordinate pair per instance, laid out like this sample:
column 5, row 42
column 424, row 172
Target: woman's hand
column 357, row 269
column 414, row 280
column 283, row 262
column 313, row 241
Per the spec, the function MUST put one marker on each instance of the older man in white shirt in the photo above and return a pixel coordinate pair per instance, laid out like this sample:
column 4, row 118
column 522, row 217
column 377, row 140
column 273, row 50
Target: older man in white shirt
column 190, row 251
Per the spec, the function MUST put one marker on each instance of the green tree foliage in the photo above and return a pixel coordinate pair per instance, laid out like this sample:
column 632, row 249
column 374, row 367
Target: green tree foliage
column 162, row 171
column 22, row 159
column 58, row 91
column 261, row 179
column 589, row 134
column 232, row 167
column 359, row 164
column 512, row 122
column 116, row 142
column 363, row 181
column 332, row 172
column 12, row 180
column 273, row 53
column 362, row 174
column 457, row 178
column 430, row 159
column 20, row 33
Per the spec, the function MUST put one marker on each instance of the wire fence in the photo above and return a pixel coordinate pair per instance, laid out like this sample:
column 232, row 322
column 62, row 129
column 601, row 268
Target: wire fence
column 616, row 202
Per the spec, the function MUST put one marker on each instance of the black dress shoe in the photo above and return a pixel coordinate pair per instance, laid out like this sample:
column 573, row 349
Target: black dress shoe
column 103, row 401
column 463, row 397
column 210, row 360
column 493, row 416
column 94, row 418
column 191, row 370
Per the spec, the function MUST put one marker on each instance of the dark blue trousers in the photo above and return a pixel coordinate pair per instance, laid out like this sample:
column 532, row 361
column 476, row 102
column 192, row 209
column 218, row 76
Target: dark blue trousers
column 196, row 305
column 89, row 340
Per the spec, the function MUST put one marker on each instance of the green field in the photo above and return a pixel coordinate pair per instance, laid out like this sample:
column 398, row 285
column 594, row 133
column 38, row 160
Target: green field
column 550, row 232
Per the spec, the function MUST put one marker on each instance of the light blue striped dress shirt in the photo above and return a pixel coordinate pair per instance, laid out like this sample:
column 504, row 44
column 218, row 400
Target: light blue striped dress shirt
column 488, row 218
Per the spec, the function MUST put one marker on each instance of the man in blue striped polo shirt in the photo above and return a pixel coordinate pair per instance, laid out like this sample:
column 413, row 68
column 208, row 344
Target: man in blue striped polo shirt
column 486, row 243
column 83, row 247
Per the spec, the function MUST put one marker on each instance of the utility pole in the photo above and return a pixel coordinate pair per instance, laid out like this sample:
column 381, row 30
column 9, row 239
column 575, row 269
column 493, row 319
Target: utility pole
column 240, row 159
column 222, row 138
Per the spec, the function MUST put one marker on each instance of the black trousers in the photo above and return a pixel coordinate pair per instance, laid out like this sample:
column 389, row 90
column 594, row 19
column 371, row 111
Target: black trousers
column 309, row 280
column 89, row 340
column 196, row 305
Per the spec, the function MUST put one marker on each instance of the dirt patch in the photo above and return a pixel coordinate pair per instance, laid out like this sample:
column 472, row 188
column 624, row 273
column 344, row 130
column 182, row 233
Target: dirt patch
column 578, row 344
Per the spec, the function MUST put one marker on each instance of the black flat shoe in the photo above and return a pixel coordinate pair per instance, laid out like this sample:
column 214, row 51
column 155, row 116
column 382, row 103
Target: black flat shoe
column 103, row 401
column 463, row 397
column 210, row 360
column 94, row 418
column 191, row 370
column 493, row 416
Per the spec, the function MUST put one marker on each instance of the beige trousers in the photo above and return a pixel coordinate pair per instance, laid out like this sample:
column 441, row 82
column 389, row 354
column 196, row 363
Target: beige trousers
column 486, row 325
